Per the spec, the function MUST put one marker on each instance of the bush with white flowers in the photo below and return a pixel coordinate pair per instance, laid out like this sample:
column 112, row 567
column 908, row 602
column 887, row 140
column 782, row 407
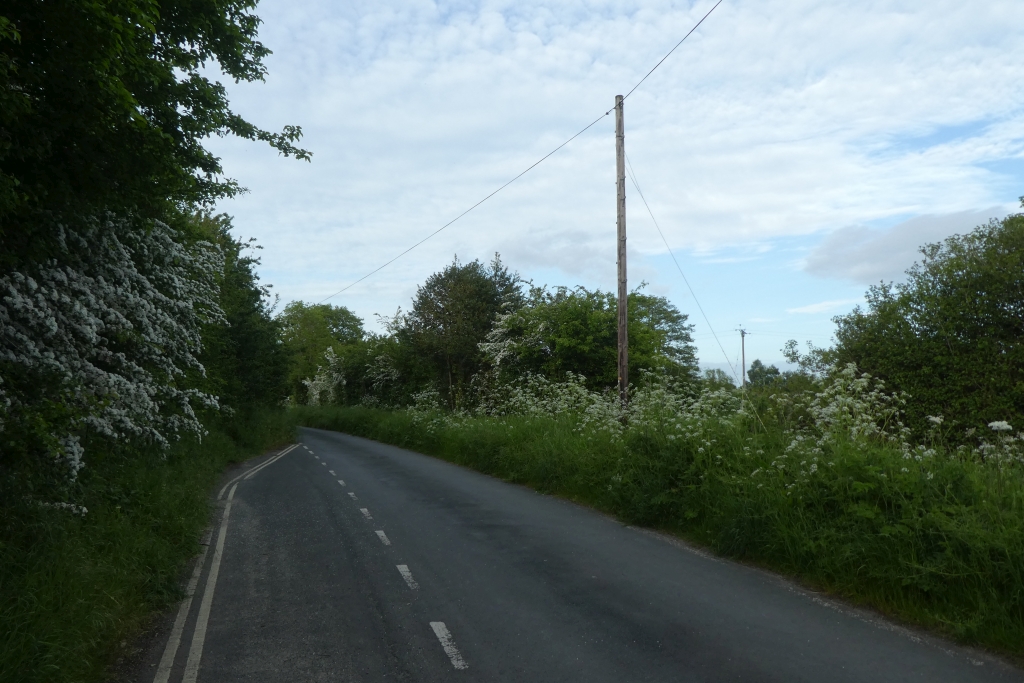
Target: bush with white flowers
column 101, row 341
column 322, row 387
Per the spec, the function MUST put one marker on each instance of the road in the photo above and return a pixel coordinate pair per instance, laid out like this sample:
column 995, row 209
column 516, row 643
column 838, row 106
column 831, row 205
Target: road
column 347, row 560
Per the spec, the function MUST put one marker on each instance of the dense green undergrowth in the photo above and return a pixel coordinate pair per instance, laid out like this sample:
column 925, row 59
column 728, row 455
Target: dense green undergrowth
column 75, row 588
column 934, row 537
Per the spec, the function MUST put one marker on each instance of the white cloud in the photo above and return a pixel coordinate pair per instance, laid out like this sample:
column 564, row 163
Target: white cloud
column 868, row 256
column 776, row 118
column 824, row 306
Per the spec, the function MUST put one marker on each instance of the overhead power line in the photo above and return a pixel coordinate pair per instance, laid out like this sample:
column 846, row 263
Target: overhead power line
column 632, row 176
column 531, row 167
column 528, row 169
column 673, row 49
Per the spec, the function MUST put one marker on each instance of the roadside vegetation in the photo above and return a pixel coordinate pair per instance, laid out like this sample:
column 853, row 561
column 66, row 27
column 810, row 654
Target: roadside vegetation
column 139, row 353
column 842, row 477
column 79, row 583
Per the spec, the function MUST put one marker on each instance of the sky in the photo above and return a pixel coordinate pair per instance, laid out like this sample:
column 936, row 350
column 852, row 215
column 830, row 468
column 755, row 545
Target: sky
column 793, row 152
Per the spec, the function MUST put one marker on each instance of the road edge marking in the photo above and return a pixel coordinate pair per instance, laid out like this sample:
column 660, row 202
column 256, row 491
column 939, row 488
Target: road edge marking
column 253, row 470
column 445, row 636
column 195, row 652
column 163, row 669
column 256, row 470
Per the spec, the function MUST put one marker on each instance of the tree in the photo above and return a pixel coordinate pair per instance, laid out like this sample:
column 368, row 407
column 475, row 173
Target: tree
column 716, row 378
column 451, row 315
column 952, row 335
column 575, row 330
column 760, row 375
column 102, row 347
column 104, row 107
column 244, row 360
column 308, row 330
column 107, row 281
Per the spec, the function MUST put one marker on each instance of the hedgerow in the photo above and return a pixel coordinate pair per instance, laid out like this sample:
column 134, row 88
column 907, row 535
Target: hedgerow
column 825, row 484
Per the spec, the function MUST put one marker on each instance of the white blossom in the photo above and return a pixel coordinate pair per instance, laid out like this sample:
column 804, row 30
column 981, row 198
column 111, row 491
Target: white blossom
column 109, row 330
column 321, row 388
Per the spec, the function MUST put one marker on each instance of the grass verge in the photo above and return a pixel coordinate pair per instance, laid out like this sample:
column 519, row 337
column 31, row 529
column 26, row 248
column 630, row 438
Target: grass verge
column 74, row 589
column 937, row 542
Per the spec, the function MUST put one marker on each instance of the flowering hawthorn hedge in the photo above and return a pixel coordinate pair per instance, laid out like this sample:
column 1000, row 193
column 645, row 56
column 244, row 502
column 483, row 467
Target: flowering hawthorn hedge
column 97, row 345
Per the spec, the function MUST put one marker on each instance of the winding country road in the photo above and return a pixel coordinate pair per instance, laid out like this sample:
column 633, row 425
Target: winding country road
column 342, row 559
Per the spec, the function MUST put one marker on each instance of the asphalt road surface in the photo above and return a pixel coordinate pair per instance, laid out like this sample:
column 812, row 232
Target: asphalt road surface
column 347, row 560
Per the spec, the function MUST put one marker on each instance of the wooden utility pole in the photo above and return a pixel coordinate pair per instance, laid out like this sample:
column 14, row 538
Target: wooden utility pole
column 620, row 180
column 743, row 352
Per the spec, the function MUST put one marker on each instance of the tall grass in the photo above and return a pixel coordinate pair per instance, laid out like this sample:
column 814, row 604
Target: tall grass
column 935, row 539
column 73, row 588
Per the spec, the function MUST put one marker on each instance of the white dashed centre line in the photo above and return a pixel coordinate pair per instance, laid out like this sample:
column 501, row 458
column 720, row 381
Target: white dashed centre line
column 383, row 538
column 353, row 495
column 333, row 473
column 442, row 633
column 341, row 482
column 323, row 463
column 403, row 569
column 316, row 456
column 366, row 513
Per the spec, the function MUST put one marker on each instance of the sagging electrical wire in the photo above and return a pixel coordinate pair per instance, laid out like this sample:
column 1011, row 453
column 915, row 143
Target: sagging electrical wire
column 528, row 169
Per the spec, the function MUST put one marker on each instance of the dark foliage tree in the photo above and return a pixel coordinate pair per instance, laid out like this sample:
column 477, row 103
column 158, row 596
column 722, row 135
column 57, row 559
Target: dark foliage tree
column 244, row 360
column 716, row 378
column 307, row 330
column 451, row 315
column 952, row 335
column 760, row 375
column 575, row 330
column 104, row 107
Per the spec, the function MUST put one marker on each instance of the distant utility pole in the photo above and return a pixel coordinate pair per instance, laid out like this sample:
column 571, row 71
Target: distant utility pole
column 743, row 352
column 620, row 179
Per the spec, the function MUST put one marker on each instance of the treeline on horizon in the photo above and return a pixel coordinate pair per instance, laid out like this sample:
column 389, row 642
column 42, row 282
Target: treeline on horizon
column 949, row 338
column 470, row 326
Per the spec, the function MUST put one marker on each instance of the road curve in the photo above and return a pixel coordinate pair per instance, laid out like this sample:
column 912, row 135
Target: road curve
column 349, row 560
